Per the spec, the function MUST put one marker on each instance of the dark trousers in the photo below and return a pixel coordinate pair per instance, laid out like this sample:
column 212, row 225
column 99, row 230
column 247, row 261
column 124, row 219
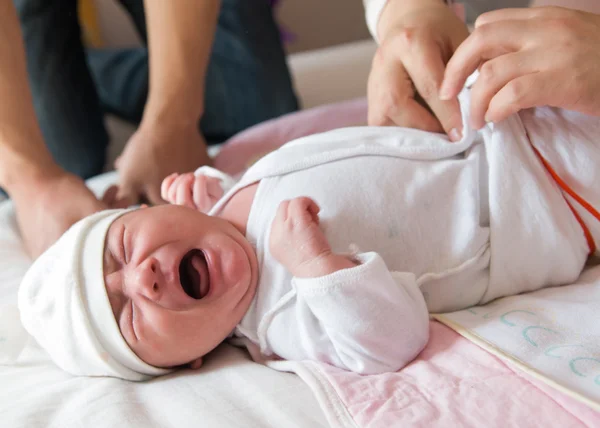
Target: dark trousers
column 247, row 79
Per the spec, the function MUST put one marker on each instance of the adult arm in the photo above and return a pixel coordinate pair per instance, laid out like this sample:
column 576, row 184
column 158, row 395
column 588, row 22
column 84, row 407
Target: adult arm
column 47, row 199
column 417, row 38
column 527, row 58
column 180, row 37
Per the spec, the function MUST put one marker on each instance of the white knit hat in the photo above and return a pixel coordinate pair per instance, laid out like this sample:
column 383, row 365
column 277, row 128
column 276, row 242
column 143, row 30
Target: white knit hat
column 65, row 307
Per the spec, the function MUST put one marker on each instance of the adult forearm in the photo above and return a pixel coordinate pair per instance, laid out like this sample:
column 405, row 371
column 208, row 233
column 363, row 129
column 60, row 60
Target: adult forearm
column 180, row 37
column 586, row 5
column 23, row 154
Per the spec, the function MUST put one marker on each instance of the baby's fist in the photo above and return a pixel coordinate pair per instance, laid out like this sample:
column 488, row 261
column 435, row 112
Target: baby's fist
column 297, row 241
column 199, row 192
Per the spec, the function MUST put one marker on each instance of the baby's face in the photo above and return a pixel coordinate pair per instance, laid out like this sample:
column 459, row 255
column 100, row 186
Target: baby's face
column 178, row 282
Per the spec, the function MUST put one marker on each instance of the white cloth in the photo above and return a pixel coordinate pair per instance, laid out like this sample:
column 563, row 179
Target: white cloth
column 373, row 9
column 374, row 197
column 473, row 8
column 475, row 220
column 64, row 305
column 569, row 142
column 227, row 182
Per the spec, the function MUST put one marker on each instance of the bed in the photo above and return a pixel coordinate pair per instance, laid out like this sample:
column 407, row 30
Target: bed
column 455, row 382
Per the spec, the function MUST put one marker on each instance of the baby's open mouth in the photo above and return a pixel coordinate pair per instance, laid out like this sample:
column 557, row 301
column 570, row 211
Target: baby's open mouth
column 193, row 274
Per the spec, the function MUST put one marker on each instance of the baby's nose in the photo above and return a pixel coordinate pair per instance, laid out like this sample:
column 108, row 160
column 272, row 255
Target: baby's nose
column 147, row 279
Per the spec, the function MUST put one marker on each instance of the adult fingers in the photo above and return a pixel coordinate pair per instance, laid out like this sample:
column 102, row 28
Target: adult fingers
column 496, row 74
column 410, row 114
column 110, row 195
column 427, row 72
column 127, row 194
column 517, row 14
column 391, row 98
column 152, row 193
column 523, row 92
column 487, row 42
column 111, row 200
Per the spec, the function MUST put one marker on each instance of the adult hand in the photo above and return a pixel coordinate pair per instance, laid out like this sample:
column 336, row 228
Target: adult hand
column 46, row 208
column 152, row 154
column 529, row 57
column 410, row 62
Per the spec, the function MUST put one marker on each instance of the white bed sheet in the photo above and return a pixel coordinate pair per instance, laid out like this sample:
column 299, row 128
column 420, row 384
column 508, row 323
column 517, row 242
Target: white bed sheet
column 229, row 391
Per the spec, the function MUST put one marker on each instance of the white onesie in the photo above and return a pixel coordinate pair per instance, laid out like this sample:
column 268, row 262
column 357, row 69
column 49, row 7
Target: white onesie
column 435, row 227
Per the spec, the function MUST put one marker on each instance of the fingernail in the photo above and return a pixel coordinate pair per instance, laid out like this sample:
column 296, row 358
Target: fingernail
column 455, row 135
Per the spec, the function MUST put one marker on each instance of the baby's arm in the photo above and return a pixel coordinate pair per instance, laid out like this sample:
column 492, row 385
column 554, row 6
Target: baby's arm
column 376, row 320
column 199, row 190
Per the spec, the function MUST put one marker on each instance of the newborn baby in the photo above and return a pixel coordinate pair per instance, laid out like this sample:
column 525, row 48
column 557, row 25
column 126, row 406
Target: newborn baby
column 333, row 248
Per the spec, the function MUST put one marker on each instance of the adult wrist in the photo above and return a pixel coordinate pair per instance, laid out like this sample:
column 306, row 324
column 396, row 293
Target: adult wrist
column 19, row 172
column 170, row 120
column 171, row 117
column 27, row 177
column 394, row 11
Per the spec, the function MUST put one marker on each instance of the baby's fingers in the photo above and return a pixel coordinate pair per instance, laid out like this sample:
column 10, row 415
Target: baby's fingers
column 313, row 209
column 214, row 189
column 166, row 185
column 204, row 194
column 184, row 185
column 304, row 209
column 282, row 212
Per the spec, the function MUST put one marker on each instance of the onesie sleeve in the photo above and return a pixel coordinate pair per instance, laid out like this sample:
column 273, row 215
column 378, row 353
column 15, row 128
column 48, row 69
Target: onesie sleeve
column 227, row 181
column 376, row 320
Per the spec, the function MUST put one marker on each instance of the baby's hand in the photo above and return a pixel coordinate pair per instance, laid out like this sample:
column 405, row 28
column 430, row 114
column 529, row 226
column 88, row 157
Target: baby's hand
column 298, row 243
column 199, row 192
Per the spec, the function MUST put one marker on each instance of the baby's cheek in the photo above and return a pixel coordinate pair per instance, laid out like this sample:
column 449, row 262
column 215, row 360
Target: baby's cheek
column 155, row 339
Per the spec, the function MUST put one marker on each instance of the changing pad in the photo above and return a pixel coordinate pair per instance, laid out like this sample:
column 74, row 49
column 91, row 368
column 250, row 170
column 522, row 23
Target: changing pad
column 552, row 334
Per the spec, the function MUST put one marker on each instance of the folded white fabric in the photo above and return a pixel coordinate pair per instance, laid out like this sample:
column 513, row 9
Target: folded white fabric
column 65, row 307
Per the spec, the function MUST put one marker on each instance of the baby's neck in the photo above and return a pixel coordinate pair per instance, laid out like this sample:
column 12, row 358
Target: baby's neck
column 237, row 209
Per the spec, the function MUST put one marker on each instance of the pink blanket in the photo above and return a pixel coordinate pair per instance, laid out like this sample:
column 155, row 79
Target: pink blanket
column 453, row 383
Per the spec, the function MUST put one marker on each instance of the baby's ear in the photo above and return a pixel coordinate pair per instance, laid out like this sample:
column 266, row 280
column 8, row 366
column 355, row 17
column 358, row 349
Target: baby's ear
column 196, row 364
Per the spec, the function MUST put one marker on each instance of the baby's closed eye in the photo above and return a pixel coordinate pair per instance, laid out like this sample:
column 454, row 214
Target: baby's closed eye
column 115, row 296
